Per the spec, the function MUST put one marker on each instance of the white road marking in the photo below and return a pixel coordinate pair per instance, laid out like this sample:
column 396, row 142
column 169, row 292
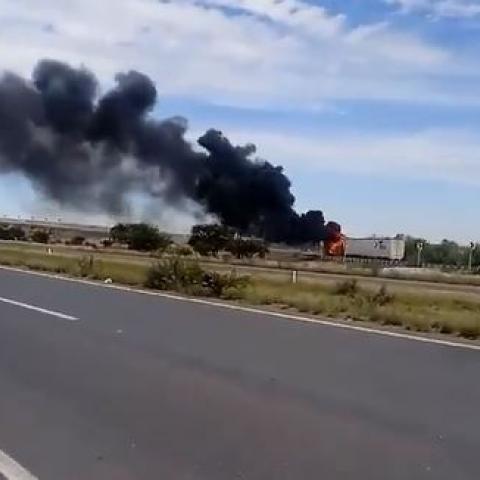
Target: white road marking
column 257, row 311
column 38, row 309
column 10, row 469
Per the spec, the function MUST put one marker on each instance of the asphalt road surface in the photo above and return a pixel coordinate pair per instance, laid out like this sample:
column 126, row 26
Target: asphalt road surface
column 150, row 388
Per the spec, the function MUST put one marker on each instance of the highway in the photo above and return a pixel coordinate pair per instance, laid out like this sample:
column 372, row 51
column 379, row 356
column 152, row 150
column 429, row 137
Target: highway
column 99, row 383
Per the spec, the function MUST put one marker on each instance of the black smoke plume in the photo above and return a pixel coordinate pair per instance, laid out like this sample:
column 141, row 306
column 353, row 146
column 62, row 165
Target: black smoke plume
column 91, row 153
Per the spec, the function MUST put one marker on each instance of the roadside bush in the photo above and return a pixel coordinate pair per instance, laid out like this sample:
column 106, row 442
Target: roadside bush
column 175, row 274
column 218, row 284
column 188, row 276
column 347, row 287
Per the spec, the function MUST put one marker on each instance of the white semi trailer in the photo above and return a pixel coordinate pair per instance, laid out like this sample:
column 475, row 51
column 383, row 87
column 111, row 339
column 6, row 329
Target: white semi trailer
column 376, row 247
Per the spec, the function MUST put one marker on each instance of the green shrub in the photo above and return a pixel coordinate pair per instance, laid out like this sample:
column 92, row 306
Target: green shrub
column 218, row 284
column 175, row 274
column 187, row 276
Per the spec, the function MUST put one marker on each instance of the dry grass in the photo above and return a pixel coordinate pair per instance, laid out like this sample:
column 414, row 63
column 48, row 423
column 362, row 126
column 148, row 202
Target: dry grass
column 435, row 277
column 416, row 312
column 85, row 266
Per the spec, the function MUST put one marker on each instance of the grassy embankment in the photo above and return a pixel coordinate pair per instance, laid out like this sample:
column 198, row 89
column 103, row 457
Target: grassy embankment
column 344, row 300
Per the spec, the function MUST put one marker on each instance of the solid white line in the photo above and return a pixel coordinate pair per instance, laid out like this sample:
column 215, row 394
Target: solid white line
column 257, row 311
column 38, row 309
column 10, row 469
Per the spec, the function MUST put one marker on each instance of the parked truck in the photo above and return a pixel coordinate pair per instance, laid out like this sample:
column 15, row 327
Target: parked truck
column 384, row 248
column 376, row 247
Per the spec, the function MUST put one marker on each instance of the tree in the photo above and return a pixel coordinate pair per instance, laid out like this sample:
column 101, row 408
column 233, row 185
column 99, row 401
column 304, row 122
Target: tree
column 140, row 236
column 146, row 237
column 210, row 239
column 40, row 236
column 446, row 252
column 411, row 249
column 119, row 233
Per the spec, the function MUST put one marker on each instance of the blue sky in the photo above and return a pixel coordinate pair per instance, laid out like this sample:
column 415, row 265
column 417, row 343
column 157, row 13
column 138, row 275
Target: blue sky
column 372, row 106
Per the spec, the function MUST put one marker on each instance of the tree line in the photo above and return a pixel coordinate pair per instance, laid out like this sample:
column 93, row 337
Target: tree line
column 211, row 239
column 445, row 253
column 18, row 234
column 206, row 240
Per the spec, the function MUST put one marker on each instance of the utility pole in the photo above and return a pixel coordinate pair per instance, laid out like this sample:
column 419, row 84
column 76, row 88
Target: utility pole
column 419, row 246
column 470, row 255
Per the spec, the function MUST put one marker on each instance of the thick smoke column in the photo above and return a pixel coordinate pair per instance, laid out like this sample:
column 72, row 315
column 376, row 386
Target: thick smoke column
column 91, row 153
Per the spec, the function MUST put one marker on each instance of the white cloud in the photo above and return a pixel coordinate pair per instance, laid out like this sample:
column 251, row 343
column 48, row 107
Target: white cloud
column 434, row 154
column 296, row 14
column 440, row 8
column 248, row 52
